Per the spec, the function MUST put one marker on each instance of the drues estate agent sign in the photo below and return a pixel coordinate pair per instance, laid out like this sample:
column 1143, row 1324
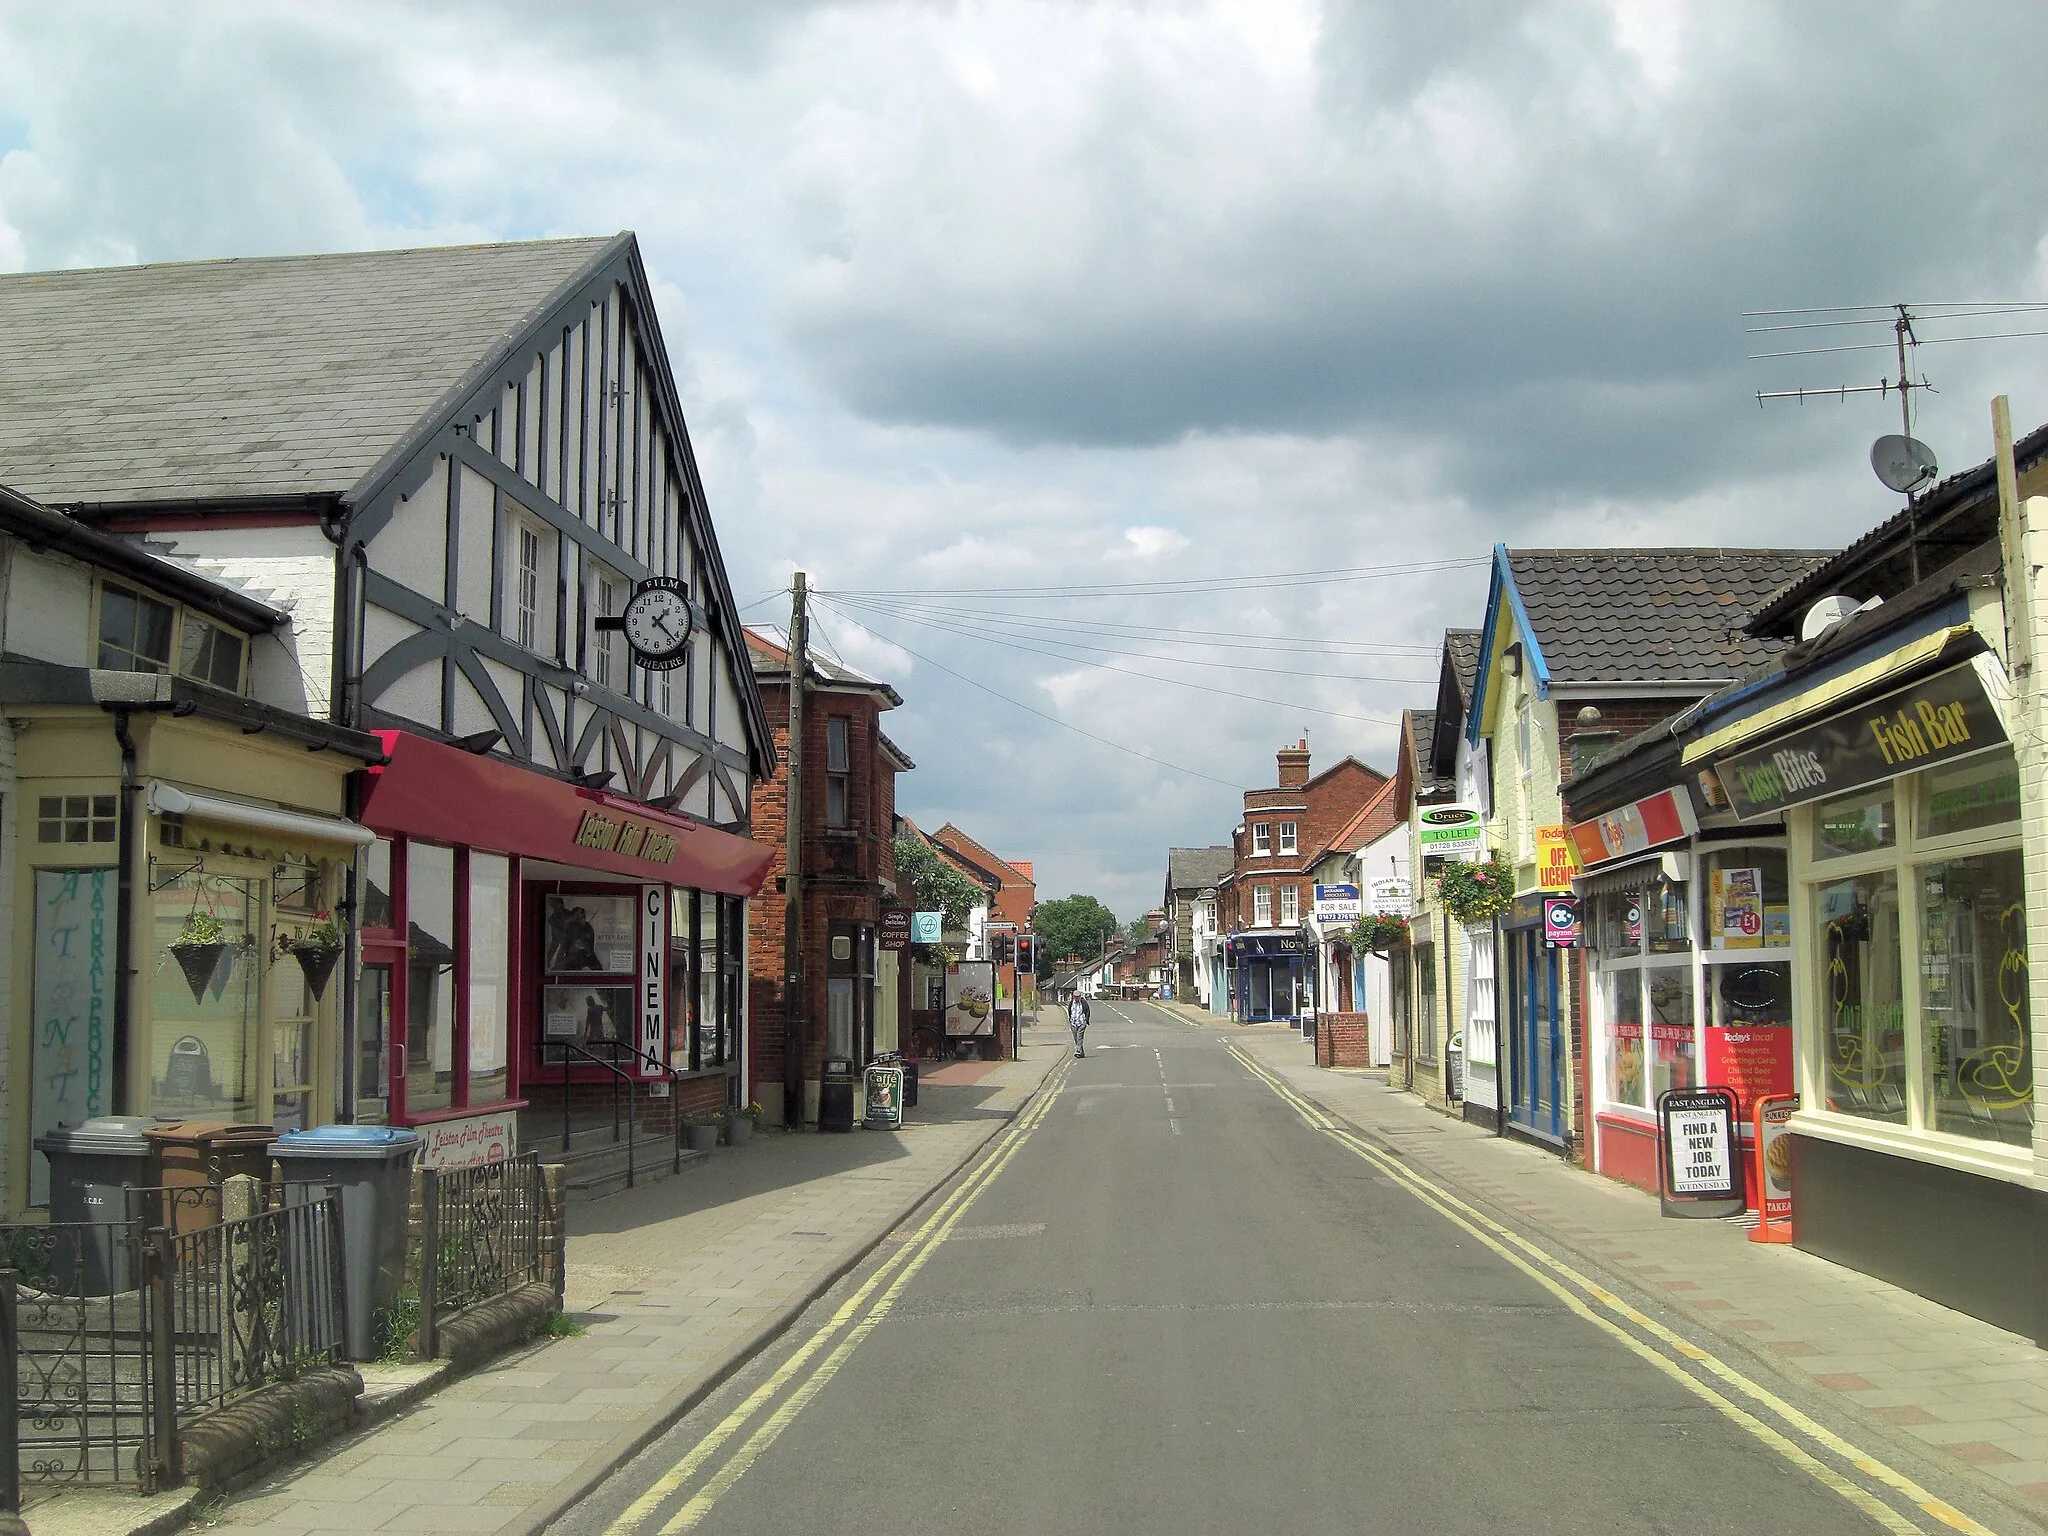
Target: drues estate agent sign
column 1935, row 720
column 1453, row 832
column 1700, row 1173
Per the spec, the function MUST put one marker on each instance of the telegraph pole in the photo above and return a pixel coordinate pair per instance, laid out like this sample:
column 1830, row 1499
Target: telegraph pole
column 793, row 862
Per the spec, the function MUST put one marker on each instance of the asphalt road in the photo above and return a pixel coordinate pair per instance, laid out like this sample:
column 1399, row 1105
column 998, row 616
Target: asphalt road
column 1166, row 1303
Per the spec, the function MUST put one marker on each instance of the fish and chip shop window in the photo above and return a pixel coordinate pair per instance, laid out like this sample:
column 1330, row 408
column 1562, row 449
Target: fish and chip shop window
column 1916, row 928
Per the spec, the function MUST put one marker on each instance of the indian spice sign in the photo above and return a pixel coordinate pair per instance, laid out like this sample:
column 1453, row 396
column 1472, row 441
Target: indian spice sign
column 629, row 839
column 1936, row 720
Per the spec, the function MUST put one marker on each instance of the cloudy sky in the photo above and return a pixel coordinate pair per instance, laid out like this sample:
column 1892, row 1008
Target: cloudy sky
column 1088, row 300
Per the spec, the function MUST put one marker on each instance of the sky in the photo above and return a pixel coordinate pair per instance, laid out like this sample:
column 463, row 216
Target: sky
column 1034, row 332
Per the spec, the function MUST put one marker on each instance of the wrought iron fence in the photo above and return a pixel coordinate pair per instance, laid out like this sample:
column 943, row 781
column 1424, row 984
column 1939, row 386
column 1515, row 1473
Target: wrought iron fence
column 122, row 1331
column 481, row 1238
column 255, row 1299
column 83, row 1368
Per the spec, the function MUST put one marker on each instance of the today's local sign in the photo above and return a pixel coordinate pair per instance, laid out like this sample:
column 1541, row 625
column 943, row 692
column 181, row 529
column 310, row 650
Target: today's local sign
column 1935, row 720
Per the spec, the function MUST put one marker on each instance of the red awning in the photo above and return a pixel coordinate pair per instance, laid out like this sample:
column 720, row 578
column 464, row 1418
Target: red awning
column 429, row 790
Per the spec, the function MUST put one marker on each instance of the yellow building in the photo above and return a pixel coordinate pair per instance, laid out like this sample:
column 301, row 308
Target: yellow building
column 170, row 845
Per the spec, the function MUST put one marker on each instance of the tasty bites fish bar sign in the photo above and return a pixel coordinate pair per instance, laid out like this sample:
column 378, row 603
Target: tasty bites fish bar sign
column 627, row 838
column 1941, row 718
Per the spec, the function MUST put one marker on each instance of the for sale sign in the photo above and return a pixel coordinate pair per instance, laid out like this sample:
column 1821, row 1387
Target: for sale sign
column 1700, row 1153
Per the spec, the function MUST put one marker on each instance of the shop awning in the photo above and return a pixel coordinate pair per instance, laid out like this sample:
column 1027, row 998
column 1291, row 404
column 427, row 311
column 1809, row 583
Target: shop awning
column 442, row 793
column 1825, row 696
column 169, row 800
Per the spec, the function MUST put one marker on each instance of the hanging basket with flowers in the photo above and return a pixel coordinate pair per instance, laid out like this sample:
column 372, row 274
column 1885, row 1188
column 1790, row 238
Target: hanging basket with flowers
column 198, row 950
column 1380, row 932
column 1474, row 892
column 317, row 950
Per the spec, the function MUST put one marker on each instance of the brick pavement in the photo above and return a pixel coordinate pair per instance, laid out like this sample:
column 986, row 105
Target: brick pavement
column 678, row 1282
column 1938, row 1382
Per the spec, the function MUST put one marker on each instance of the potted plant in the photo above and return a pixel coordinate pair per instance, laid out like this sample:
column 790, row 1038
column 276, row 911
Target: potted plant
column 317, row 950
column 198, row 949
column 700, row 1131
column 740, row 1125
column 1474, row 892
column 1380, row 932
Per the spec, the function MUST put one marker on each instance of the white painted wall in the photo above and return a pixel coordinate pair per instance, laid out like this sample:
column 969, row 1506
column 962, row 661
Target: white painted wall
column 291, row 569
column 48, row 611
column 412, row 548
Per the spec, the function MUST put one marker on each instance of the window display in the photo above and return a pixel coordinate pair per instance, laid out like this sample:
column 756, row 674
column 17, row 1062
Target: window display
column 1973, row 996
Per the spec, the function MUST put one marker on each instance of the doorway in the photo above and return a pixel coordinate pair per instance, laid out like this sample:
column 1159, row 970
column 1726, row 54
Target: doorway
column 1535, row 1036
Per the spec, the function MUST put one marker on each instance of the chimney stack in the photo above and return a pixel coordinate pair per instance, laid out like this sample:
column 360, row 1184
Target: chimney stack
column 1293, row 763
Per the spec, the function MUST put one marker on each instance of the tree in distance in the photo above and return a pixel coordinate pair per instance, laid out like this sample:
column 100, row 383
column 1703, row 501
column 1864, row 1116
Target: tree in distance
column 1073, row 925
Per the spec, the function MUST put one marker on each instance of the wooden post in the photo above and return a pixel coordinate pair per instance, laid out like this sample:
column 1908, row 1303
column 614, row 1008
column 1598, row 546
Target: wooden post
column 793, row 866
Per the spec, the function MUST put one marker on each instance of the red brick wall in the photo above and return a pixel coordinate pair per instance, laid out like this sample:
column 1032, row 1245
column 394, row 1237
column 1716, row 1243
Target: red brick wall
column 1342, row 1040
column 1328, row 802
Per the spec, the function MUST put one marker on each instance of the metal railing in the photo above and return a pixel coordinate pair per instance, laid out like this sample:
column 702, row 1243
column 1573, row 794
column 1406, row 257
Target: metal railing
column 119, row 1332
column 481, row 1238
column 666, row 1073
column 571, row 1050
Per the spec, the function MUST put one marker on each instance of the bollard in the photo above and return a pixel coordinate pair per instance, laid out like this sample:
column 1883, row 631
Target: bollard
column 429, row 1184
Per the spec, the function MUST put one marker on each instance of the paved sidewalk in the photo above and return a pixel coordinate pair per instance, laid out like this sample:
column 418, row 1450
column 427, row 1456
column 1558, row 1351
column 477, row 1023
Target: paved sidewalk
column 678, row 1282
column 1945, row 1384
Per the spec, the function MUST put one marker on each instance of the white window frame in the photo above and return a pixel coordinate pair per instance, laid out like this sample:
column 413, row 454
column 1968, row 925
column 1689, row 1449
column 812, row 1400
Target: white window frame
column 526, row 605
column 1262, row 840
column 1525, row 765
column 1290, row 905
column 1262, row 906
column 607, row 593
column 1289, row 837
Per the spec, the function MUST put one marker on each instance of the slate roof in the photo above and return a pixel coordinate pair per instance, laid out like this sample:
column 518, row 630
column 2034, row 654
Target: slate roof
column 1462, row 647
column 1651, row 615
column 1422, row 746
column 273, row 376
column 1195, row 869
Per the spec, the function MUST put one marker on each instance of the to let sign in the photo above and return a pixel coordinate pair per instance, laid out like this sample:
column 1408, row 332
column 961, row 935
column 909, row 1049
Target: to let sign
column 1452, row 832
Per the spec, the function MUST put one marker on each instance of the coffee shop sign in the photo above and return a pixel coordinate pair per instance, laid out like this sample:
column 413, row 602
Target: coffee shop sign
column 631, row 839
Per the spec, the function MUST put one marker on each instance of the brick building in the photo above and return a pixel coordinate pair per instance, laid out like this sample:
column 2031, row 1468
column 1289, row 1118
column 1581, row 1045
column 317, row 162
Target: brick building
column 852, row 996
column 1268, row 893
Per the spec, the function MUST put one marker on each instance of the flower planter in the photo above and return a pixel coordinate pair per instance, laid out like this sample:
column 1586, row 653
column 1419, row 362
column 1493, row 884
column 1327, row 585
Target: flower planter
column 700, row 1138
column 737, row 1130
column 318, row 962
column 198, row 962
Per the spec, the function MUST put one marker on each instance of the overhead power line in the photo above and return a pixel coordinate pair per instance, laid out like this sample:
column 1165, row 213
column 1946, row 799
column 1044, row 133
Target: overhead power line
column 1187, row 586
column 1159, row 762
column 1150, row 677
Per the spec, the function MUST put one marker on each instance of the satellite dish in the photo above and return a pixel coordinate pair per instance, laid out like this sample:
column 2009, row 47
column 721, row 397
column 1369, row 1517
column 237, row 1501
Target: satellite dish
column 1825, row 615
column 1902, row 463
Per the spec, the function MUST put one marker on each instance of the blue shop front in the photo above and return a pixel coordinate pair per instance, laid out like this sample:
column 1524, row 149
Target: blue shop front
column 1274, row 981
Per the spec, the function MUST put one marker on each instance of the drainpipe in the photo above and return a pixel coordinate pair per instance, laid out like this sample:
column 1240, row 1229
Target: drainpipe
column 124, row 920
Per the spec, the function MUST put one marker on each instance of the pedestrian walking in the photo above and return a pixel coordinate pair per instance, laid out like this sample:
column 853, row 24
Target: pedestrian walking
column 1077, row 1021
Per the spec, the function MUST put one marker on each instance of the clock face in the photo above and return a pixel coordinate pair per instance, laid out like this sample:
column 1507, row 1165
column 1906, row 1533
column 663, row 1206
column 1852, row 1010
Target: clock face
column 657, row 621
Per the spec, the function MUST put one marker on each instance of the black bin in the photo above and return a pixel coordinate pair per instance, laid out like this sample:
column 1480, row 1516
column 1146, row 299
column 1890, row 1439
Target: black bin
column 93, row 1165
column 835, row 1095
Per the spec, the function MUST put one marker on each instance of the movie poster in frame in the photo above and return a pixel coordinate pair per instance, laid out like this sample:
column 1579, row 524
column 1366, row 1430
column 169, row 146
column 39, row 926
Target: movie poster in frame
column 588, row 933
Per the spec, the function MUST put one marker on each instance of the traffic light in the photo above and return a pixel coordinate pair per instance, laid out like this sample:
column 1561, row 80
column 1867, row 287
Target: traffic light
column 1025, row 953
column 1002, row 949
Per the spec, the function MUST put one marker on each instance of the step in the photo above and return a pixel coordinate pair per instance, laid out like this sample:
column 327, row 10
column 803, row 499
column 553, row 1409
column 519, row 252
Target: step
column 599, row 1169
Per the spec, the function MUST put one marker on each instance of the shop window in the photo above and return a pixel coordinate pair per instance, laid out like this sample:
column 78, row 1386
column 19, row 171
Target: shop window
column 1288, row 840
column 206, row 1042
column 1425, row 1002
column 1262, row 840
column 135, row 631
column 1262, row 906
column 1290, row 906
column 211, row 654
column 490, row 979
column 707, row 981
column 1968, row 796
column 373, row 1043
column 1855, row 824
column 75, row 818
column 430, row 978
column 1863, row 1008
column 1621, row 1006
column 375, row 875
column 1973, row 995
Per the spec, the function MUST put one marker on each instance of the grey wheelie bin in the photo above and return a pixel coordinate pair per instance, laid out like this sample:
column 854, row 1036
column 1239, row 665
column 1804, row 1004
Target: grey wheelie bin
column 92, row 1167
column 372, row 1165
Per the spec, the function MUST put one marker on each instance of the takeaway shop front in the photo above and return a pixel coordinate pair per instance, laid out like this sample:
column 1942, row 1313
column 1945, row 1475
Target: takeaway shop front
column 525, row 939
column 1685, row 920
column 1913, row 1144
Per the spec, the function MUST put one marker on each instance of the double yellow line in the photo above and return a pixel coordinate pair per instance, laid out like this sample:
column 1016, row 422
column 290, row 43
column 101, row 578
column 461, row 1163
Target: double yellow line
column 849, row 1325
column 1604, row 1310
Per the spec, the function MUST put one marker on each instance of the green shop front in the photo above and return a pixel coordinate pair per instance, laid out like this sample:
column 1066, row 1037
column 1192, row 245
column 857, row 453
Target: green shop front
column 1896, row 778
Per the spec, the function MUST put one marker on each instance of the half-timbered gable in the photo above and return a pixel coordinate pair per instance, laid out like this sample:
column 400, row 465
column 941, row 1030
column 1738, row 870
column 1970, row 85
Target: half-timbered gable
column 444, row 464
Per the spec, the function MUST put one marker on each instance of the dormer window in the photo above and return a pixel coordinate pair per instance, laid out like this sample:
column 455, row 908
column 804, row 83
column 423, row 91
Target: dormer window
column 135, row 631
column 211, row 654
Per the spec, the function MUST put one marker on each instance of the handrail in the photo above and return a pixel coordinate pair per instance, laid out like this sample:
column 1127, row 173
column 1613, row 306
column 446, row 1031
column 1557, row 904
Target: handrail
column 569, row 1048
column 666, row 1070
